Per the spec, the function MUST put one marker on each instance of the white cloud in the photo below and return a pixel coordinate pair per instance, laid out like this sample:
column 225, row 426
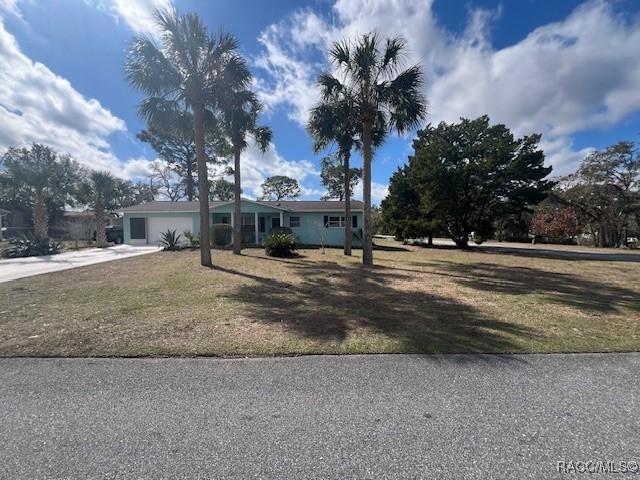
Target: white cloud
column 136, row 14
column 36, row 105
column 11, row 7
column 566, row 77
column 378, row 192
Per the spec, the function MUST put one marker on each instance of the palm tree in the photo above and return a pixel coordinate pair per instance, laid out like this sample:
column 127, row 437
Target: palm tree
column 335, row 121
column 239, row 115
column 381, row 97
column 100, row 192
column 190, row 71
column 43, row 177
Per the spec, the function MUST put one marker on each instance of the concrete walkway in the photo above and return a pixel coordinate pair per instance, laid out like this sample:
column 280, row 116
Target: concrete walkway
column 14, row 268
column 320, row 417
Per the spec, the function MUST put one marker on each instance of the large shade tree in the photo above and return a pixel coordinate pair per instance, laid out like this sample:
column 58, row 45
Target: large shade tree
column 470, row 173
column 370, row 81
column 40, row 178
column 240, row 109
column 280, row 187
column 605, row 192
column 190, row 71
column 338, row 181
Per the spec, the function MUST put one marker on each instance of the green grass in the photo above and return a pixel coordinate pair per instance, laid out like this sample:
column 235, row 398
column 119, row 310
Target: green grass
column 413, row 300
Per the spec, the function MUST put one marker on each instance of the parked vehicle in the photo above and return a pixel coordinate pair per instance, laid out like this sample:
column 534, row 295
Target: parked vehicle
column 114, row 234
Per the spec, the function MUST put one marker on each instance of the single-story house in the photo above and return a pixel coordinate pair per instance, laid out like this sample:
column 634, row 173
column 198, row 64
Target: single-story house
column 312, row 222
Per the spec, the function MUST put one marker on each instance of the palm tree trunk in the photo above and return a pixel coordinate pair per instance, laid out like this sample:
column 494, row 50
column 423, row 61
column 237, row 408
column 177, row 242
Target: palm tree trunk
column 101, row 238
column 189, row 181
column 348, row 234
column 367, row 239
column 237, row 212
column 203, row 185
column 40, row 217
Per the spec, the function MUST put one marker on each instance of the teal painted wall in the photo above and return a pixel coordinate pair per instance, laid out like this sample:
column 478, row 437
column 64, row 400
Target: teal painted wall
column 306, row 233
column 311, row 223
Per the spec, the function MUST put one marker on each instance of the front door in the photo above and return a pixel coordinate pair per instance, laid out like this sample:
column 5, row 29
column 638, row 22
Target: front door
column 275, row 222
column 262, row 224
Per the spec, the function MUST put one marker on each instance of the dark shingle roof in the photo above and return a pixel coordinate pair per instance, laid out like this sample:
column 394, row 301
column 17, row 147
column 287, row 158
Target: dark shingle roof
column 288, row 205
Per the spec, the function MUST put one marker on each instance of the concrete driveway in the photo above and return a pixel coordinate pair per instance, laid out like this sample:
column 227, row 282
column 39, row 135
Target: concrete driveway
column 14, row 268
column 325, row 417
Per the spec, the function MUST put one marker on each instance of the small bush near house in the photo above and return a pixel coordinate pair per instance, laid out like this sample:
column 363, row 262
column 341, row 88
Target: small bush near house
column 221, row 234
column 170, row 241
column 29, row 246
column 285, row 230
column 194, row 240
column 280, row 245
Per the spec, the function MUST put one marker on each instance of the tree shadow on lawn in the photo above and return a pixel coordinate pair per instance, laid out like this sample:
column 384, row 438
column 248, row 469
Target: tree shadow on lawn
column 556, row 287
column 328, row 301
column 549, row 253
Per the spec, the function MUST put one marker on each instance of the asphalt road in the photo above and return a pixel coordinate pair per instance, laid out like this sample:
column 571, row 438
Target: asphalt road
column 374, row 417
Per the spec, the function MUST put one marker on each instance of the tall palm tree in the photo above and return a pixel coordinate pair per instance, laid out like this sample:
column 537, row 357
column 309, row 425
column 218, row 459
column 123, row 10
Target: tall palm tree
column 382, row 97
column 190, row 71
column 335, row 121
column 100, row 192
column 239, row 116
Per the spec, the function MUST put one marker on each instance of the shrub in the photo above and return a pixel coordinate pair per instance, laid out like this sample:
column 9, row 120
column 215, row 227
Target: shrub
column 280, row 245
column 29, row 246
column 285, row 230
column 170, row 241
column 221, row 234
column 194, row 240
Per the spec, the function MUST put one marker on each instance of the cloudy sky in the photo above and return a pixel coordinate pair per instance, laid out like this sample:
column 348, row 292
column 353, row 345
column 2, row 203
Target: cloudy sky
column 567, row 69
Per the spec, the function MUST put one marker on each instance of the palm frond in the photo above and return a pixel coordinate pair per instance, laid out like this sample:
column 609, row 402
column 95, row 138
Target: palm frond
column 404, row 99
column 148, row 69
column 160, row 112
column 365, row 59
column 263, row 136
column 329, row 85
column 392, row 54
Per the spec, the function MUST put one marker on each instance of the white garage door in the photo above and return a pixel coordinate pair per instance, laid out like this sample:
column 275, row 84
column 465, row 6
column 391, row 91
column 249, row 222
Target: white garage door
column 158, row 225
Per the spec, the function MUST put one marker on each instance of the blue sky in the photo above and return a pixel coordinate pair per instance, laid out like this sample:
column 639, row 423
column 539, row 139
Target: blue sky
column 567, row 69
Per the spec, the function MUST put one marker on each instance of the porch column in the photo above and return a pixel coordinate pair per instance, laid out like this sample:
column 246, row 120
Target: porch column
column 232, row 218
column 256, row 229
column 281, row 218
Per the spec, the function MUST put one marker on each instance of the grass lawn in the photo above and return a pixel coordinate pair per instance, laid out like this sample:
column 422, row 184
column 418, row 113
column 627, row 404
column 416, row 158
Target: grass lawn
column 414, row 300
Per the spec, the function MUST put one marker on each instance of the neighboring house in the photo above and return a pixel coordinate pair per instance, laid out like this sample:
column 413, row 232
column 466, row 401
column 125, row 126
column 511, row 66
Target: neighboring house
column 312, row 222
column 81, row 224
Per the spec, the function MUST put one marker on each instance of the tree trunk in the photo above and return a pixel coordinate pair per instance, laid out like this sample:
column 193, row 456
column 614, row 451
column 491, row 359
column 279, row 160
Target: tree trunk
column 237, row 211
column 462, row 242
column 367, row 239
column 101, row 237
column 430, row 239
column 348, row 234
column 203, row 185
column 190, row 181
column 40, row 217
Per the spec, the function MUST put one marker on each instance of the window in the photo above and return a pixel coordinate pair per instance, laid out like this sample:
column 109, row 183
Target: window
column 275, row 222
column 334, row 222
column 138, row 228
column 225, row 220
column 294, row 222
